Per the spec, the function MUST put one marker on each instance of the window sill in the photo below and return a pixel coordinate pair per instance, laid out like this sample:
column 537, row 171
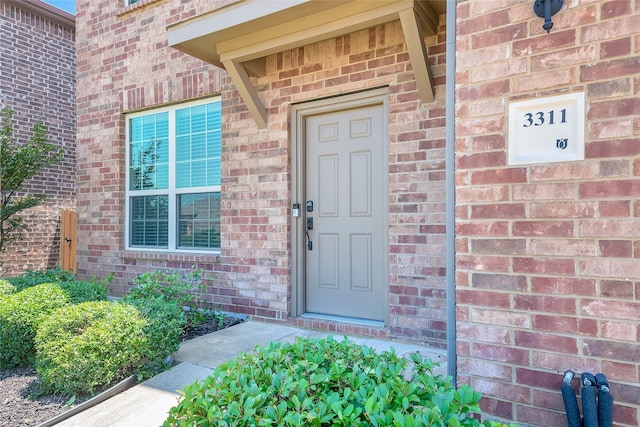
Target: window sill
column 183, row 256
column 135, row 6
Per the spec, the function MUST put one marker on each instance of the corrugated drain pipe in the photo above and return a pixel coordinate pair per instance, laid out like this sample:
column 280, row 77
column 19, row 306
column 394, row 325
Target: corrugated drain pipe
column 450, row 161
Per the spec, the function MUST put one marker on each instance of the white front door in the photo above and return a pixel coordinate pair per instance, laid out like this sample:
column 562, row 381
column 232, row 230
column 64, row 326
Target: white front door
column 345, row 182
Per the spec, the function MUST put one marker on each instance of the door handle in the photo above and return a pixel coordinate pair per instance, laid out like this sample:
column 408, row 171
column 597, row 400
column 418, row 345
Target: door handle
column 309, row 227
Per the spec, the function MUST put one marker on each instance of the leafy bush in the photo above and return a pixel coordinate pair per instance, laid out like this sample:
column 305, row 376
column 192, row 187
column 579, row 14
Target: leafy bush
column 82, row 291
column 21, row 160
column 84, row 347
column 78, row 291
column 323, row 382
column 32, row 278
column 6, row 288
column 185, row 289
column 20, row 315
column 165, row 323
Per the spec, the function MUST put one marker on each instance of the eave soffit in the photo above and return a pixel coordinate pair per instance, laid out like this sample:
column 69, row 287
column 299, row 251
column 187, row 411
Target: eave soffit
column 238, row 37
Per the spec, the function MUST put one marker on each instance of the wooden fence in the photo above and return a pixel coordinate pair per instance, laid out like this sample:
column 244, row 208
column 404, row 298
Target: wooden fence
column 68, row 243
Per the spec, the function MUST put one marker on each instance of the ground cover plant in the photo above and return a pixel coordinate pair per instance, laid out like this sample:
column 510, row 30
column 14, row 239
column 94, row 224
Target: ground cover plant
column 325, row 382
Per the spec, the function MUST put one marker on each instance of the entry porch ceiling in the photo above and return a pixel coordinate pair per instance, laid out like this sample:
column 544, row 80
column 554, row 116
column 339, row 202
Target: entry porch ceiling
column 238, row 37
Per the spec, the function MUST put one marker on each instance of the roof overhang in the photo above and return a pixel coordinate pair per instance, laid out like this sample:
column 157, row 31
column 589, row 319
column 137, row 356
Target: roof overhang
column 44, row 10
column 239, row 37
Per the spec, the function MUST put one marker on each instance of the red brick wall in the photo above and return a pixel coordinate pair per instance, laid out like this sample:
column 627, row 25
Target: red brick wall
column 356, row 61
column 37, row 81
column 125, row 64
column 548, row 255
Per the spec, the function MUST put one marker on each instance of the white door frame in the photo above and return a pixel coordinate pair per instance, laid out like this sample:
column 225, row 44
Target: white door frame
column 299, row 113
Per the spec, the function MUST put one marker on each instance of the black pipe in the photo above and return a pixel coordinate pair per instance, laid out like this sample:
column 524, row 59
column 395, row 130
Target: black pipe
column 589, row 403
column 605, row 402
column 570, row 401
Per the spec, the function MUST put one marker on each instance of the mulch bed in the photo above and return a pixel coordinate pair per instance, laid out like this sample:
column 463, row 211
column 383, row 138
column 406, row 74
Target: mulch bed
column 18, row 409
column 194, row 331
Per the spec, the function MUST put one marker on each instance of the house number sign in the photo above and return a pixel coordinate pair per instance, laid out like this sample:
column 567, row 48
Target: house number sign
column 545, row 130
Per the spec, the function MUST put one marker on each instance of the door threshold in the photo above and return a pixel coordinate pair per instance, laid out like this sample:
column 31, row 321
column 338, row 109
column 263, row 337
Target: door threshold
column 343, row 319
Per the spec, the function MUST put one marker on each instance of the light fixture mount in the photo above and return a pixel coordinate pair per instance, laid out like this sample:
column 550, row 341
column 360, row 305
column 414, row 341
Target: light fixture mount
column 546, row 9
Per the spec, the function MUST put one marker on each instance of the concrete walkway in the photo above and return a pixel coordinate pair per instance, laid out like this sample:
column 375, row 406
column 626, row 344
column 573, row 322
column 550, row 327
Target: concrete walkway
column 148, row 403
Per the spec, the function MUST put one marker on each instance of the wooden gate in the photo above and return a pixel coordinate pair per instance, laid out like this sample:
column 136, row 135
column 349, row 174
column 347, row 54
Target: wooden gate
column 68, row 241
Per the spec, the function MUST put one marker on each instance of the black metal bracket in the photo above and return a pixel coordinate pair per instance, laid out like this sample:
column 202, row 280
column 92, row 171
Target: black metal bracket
column 546, row 9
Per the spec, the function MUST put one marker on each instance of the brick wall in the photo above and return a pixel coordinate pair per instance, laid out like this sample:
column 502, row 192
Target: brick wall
column 125, row 64
column 37, row 81
column 548, row 258
column 365, row 59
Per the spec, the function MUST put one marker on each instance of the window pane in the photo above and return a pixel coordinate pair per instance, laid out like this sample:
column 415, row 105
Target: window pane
column 162, row 125
column 198, row 174
column 183, row 148
column 198, row 146
column 135, row 126
column 214, row 116
column 162, row 151
column 214, row 172
column 214, row 149
column 198, row 142
column 162, row 176
column 198, row 119
column 195, row 162
column 149, row 127
column 149, row 152
column 183, row 122
column 183, row 175
column 199, row 220
column 149, row 226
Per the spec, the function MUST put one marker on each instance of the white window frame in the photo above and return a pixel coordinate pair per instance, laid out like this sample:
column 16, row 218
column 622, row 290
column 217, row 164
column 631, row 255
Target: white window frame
column 172, row 191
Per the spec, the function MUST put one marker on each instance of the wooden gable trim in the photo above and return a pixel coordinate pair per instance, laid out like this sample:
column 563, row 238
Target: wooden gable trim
column 414, row 39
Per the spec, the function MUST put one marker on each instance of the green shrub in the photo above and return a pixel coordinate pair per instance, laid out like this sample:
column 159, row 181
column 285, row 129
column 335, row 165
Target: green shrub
column 32, row 278
column 82, row 291
column 165, row 323
column 323, row 382
column 20, row 315
column 6, row 288
column 82, row 348
column 185, row 289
